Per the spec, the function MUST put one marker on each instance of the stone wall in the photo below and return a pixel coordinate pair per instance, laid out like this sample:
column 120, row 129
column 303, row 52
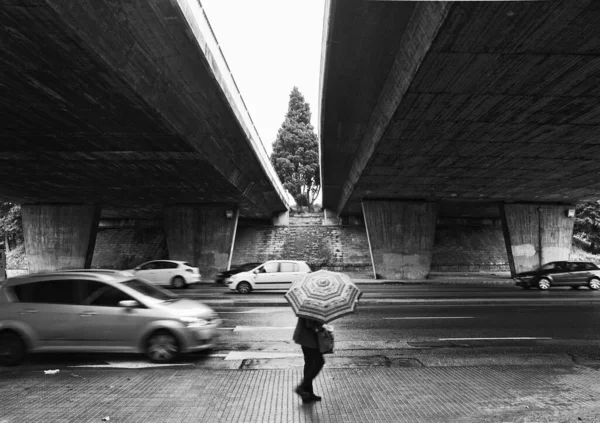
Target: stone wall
column 126, row 248
column 469, row 245
column 339, row 248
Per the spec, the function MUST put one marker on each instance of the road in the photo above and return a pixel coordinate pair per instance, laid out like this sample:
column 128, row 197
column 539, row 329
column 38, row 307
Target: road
column 549, row 324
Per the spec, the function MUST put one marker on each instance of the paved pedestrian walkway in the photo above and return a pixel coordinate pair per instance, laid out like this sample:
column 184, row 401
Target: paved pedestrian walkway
column 541, row 393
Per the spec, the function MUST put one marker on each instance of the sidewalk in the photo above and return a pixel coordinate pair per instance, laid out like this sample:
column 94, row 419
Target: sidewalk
column 483, row 394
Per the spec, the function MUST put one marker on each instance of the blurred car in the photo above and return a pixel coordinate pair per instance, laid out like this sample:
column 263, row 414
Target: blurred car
column 99, row 311
column 273, row 274
column 561, row 273
column 177, row 274
column 221, row 277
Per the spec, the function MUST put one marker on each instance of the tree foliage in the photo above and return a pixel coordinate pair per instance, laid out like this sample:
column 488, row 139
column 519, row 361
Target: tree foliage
column 587, row 222
column 296, row 152
column 11, row 225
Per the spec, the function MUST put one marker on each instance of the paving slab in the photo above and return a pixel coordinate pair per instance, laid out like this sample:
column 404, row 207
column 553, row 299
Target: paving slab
column 373, row 394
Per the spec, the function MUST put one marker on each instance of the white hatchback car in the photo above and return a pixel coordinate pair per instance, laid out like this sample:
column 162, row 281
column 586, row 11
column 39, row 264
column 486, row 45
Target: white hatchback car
column 273, row 274
column 99, row 311
column 177, row 274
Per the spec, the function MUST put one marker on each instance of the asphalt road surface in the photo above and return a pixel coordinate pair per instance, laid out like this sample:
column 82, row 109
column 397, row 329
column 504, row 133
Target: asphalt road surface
column 260, row 336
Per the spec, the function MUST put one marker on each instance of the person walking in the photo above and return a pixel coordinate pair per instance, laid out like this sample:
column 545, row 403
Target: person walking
column 306, row 336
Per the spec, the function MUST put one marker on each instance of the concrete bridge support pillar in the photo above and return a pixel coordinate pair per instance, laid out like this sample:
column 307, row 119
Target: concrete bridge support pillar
column 203, row 235
column 59, row 236
column 401, row 235
column 536, row 234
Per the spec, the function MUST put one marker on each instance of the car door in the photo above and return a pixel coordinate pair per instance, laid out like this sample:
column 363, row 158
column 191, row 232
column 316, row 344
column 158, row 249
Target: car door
column 579, row 273
column 561, row 274
column 48, row 308
column 148, row 271
column 106, row 326
column 267, row 276
column 289, row 272
column 168, row 270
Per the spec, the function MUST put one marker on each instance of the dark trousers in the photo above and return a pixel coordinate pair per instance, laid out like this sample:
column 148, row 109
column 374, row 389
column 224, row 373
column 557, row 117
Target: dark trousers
column 313, row 363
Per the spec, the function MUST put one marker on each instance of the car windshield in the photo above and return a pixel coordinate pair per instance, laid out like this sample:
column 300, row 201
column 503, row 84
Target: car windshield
column 149, row 290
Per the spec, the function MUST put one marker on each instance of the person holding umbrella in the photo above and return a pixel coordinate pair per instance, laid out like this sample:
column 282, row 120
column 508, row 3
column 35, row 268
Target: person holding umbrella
column 306, row 335
column 318, row 298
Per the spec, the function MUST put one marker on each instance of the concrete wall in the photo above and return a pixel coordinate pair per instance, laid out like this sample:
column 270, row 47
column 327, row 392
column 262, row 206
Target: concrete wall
column 469, row 245
column 461, row 245
column 126, row 248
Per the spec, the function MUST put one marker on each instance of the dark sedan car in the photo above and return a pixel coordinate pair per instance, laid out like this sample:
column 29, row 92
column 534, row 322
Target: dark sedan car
column 221, row 277
column 561, row 273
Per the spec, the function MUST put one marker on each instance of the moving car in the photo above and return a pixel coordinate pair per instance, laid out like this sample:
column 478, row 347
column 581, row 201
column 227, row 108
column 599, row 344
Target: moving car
column 99, row 311
column 561, row 273
column 273, row 274
column 221, row 277
column 177, row 274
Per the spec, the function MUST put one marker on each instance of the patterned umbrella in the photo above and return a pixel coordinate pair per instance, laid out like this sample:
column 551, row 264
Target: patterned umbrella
column 323, row 296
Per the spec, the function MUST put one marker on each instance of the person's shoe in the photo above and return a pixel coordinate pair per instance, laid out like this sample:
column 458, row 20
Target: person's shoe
column 303, row 394
column 313, row 397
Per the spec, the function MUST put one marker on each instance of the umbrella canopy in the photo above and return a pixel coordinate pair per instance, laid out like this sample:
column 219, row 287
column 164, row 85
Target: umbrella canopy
column 323, row 296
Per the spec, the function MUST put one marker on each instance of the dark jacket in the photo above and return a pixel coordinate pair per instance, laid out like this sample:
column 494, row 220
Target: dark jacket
column 305, row 333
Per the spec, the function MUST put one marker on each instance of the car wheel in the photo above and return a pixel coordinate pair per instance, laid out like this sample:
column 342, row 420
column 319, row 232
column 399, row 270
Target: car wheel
column 178, row 282
column 543, row 284
column 594, row 283
column 162, row 347
column 244, row 288
column 12, row 349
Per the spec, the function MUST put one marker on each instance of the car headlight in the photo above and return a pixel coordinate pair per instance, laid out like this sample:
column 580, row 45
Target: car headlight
column 193, row 322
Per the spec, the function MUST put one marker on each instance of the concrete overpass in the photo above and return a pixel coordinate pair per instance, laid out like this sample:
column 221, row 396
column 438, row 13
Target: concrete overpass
column 464, row 109
column 125, row 110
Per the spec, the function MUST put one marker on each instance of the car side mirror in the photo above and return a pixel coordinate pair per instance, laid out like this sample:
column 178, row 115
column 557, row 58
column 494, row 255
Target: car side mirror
column 137, row 268
column 256, row 271
column 129, row 304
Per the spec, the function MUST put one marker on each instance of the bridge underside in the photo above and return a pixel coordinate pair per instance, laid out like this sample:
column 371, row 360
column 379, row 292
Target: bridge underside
column 460, row 109
column 121, row 105
column 464, row 102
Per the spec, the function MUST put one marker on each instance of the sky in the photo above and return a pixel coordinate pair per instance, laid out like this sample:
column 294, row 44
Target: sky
column 270, row 46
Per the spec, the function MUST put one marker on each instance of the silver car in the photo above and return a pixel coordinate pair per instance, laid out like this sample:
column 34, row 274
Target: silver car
column 99, row 311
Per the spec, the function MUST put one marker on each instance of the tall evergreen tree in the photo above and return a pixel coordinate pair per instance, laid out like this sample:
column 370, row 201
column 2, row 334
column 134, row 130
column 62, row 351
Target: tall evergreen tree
column 296, row 152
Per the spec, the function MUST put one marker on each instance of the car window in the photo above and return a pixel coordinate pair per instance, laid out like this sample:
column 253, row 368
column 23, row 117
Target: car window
column 288, row 267
column 149, row 290
column 185, row 264
column 590, row 266
column 101, row 294
column 548, row 266
column 48, row 292
column 271, row 267
column 168, row 265
column 149, row 266
column 576, row 267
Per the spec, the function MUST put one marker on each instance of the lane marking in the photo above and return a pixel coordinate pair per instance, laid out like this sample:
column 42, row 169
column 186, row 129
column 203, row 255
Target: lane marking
column 259, row 310
column 432, row 317
column 132, row 365
column 254, row 328
column 242, row 355
column 493, row 339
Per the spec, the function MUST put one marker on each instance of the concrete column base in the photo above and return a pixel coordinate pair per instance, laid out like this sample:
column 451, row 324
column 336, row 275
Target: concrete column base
column 281, row 219
column 401, row 235
column 59, row 236
column 536, row 234
column 202, row 235
column 330, row 218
